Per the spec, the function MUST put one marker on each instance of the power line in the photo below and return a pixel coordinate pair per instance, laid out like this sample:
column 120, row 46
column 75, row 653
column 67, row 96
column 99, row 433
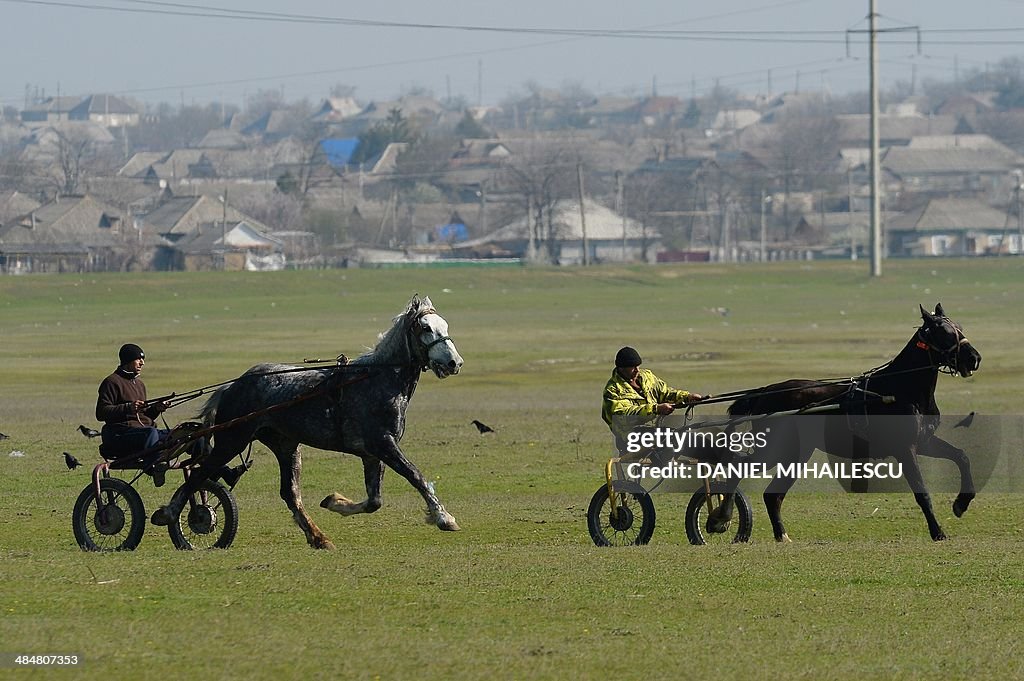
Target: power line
column 827, row 36
column 644, row 33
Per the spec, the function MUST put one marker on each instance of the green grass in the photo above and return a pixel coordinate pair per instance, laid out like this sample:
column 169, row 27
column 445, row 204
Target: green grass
column 521, row 592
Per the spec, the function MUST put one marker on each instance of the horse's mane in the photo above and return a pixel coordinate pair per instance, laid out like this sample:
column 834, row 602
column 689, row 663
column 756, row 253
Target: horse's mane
column 392, row 342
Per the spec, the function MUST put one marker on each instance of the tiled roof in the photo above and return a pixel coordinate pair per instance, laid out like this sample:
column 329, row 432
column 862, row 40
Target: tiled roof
column 857, row 127
column 185, row 214
column 67, row 220
column 103, row 104
column 908, row 161
column 940, row 215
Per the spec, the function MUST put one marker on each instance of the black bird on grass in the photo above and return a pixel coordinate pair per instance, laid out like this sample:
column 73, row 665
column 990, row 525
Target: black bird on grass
column 71, row 462
column 482, row 427
column 966, row 421
column 3, row 437
column 88, row 432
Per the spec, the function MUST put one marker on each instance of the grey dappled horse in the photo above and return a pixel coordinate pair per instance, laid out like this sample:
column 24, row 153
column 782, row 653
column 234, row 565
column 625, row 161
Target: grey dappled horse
column 357, row 408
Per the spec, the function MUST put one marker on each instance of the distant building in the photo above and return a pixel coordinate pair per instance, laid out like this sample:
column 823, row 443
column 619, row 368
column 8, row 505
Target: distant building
column 106, row 110
column 610, row 237
column 78, row 234
column 233, row 246
column 954, row 227
column 49, row 110
column 337, row 109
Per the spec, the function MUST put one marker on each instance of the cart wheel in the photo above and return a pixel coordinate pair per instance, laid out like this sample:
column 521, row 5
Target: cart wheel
column 116, row 525
column 208, row 520
column 633, row 522
column 737, row 529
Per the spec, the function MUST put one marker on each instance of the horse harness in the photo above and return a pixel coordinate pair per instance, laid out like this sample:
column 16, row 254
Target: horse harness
column 854, row 401
column 948, row 357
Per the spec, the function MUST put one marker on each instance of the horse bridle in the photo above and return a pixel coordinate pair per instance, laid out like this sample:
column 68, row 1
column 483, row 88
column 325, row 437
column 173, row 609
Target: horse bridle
column 424, row 348
column 949, row 357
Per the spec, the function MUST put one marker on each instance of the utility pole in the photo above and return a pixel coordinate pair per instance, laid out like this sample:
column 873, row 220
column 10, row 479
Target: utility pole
column 224, row 232
column 483, row 207
column 876, row 223
column 583, row 215
column 479, row 82
column 726, row 246
column 875, row 175
column 849, row 212
column 765, row 200
column 1020, row 215
column 620, row 200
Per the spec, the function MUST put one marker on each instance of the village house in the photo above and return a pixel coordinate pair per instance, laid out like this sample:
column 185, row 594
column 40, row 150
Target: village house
column 610, row 237
column 229, row 246
column 109, row 111
column 78, row 234
column 949, row 163
column 182, row 216
column 953, row 227
column 49, row 110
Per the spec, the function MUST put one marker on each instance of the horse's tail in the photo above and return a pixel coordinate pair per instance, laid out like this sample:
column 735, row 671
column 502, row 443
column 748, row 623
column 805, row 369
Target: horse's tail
column 208, row 413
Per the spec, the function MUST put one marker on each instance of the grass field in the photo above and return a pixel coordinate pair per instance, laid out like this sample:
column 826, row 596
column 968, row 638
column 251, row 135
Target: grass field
column 521, row 592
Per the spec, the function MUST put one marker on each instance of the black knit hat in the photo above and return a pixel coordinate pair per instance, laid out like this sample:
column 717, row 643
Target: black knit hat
column 130, row 352
column 627, row 357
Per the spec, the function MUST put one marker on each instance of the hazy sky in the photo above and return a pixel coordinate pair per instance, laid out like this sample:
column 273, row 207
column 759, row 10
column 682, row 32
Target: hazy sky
column 153, row 52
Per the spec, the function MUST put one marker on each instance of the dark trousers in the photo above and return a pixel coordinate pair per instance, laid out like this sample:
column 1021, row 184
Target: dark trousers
column 119, row 441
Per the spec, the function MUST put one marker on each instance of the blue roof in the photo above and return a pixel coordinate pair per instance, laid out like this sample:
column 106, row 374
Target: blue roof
column 451, row 232
column 339, row 151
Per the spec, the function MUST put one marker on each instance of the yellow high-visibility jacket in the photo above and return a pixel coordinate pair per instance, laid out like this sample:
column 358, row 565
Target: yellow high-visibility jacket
column 629, row 407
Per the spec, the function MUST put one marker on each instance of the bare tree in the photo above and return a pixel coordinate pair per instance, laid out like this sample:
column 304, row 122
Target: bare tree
column 277, row 210
column 310, row 135
column 804, row 152
column 263, row 102
column 542, row 174
column 73, row 157
column 643, row 197
column 342, row 90
column 170, row 128
column 18, row 174
column 72, row 149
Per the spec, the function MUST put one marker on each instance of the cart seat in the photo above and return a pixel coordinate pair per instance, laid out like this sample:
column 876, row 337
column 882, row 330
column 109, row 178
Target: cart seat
column 106, row 453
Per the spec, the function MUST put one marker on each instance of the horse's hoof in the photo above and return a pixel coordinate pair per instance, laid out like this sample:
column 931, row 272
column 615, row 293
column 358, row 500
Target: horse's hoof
column 941, row 536
column 339, row 504
column 332, row 500
column 446, row 521
column 961, row 503
column 784, row 539
column 161, row 517
column 716, row 526
column 321, row 542
column 448, row 524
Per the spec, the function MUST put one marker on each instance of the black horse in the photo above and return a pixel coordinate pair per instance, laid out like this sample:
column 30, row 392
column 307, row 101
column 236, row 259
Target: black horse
column 358, row 408
column 898, row 398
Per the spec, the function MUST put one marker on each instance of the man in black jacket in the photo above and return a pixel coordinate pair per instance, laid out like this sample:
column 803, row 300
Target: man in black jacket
column 122, row 406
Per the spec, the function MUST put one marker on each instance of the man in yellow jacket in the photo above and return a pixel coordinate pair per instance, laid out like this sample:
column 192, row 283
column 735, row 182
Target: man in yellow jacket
column 634, row 396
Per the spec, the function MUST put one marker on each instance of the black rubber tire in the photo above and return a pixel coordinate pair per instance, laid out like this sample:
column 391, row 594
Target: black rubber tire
column 637, row 530
column 122, row 531
column 208, row 521
column 739, row 528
